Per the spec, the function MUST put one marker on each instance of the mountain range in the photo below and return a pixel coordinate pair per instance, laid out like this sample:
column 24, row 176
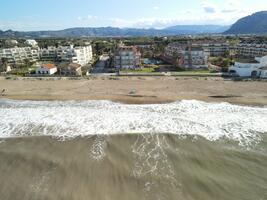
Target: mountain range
column 252, row 24
column 118, row 32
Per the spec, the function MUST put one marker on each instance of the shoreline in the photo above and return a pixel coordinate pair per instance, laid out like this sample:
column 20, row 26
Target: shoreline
column 141, row 102
column 137, row 90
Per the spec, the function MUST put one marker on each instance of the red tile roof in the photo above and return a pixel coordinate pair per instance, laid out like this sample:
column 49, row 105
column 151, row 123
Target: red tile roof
column 48, row 65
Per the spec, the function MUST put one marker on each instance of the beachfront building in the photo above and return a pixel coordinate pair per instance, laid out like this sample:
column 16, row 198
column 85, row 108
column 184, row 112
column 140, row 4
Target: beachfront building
column 81, row 55
column 70, row 69
column 46, row 69
column 186, row 56
column 127, row 57
column 255, row 68
column 18, row 55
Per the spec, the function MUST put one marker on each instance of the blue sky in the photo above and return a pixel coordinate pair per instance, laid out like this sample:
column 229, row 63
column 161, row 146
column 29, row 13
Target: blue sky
column 59, row 14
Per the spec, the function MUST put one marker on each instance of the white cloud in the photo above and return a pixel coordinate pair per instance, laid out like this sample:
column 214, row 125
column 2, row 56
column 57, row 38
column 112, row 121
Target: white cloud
column 209, row 12
column 89, row 17
column 209, row 7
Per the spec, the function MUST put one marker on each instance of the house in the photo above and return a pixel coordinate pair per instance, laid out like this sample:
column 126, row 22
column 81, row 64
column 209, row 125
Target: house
column 46, row 69
column 127, row 57
column 70, row 69
column 254, row 68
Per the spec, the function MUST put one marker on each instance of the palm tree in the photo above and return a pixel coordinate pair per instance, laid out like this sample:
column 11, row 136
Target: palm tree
column 176, row 59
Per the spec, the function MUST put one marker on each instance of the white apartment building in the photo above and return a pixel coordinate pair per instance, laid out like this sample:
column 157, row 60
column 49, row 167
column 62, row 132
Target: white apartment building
column 18, row 55
column 127, row 57
column 81, row 55
column 11, row 42
column 48, row 54
column 251, row 50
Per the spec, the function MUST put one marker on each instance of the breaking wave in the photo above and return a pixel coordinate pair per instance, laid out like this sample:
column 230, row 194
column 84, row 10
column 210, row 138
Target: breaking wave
column 84, row 118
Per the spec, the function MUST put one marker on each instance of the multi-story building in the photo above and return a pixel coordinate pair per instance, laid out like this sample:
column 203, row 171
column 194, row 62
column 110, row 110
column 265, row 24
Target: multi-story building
column 127, row 57
column 18, row 55
column 186, row 55
column 11, row 43
column 216, row 49
column 81, row 55
column 48, row 54
column 251, row 50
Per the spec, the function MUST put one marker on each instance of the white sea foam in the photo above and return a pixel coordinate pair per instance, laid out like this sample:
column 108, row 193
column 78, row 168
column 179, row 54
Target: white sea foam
column 72, row 119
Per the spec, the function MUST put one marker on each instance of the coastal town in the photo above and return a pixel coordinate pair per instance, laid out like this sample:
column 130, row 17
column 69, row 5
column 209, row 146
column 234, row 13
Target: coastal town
column 133, row 100
column 223, row 56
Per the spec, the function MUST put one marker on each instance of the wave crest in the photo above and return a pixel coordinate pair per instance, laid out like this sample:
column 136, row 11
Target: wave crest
column 72, row 119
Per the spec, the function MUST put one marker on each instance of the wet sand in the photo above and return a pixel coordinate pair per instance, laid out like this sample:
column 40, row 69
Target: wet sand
column 138, row 90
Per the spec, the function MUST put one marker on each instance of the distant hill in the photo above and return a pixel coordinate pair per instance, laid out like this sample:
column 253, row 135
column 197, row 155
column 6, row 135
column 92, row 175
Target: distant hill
column 198, row 29
column 252, row 24
column 118, row 32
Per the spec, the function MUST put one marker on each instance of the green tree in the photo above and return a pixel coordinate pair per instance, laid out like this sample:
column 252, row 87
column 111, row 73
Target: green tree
column 27, row 62
column 3, row 65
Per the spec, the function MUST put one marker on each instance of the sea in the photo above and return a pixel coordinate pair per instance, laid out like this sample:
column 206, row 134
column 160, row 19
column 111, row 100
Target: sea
column 101, row 150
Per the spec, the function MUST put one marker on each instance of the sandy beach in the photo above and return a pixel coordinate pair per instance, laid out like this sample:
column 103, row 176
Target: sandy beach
column 188, row 150
column 137, row 90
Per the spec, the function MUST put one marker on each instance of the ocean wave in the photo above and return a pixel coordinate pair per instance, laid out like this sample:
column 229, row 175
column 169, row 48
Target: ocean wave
column 72, row 119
